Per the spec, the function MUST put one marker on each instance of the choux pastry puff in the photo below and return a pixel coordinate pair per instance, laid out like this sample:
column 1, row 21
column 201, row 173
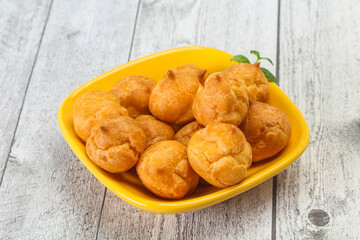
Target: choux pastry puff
column 252, row 78
column 154, row 129
column 93, row 106
column 191, row 68
column 220, row 101
column 164, row 169
column 134, row 93
column 184, row 134
column 267, row 129
column 115, row 143
column 172, row 98
column 220, row 154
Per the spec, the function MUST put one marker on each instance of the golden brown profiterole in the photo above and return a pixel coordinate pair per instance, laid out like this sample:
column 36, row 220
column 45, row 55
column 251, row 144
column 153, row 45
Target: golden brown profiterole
column 164, row 169
column 220, row 100
column 220, row 154
column 177, row 127
column 172, row 98
column 134, row 93
column 184, row 134
column 252, row 78
column 115, row 143
column 191, row 68
column 154, row 129
column 267, row 129
column 93, row 106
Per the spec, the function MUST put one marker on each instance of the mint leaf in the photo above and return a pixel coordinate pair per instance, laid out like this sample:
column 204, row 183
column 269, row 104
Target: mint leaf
column 256, row 53
column 268, row 60
column 240, row 59
column 270, row 77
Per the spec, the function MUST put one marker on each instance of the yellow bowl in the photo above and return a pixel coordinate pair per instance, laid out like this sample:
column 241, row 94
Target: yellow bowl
column 128, row 186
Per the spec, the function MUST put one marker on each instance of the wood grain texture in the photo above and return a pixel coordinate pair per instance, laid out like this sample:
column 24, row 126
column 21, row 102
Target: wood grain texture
column 167, row 24
column 21, row 24
column 319, row 195
column 46, row 192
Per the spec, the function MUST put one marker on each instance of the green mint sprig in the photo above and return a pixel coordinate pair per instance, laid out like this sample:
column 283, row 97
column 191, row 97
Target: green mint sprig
column 257, row 54
column 242, row 59
column 270, row 77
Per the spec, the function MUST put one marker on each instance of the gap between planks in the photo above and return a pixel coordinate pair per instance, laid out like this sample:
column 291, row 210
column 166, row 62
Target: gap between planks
column 26, row 89
column 130, row 50
column 274, row 197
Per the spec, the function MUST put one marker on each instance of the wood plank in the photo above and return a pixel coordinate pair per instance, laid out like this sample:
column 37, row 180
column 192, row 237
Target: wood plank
column 46, row 192
column 22, row 24
column 235, row 27
column 318, row 196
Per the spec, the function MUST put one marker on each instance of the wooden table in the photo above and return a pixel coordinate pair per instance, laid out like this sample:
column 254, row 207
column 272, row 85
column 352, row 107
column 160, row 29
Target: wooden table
column 50, row 47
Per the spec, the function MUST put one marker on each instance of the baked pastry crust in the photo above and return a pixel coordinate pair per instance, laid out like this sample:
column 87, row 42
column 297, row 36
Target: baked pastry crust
column 134, row 93
column 164, row 169
column 172, row 98
column 193, row 69
column 252, row 78
column 177, row 127
column 220, row 100
column 115, row 143
column 155, row 130
column 220, row 154
column 184, row 134
column 267, row 129
column 93, row 106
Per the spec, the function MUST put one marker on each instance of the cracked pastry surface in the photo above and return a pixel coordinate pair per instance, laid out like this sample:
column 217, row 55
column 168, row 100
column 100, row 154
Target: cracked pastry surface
column 93, row 106
column 134, row 93
column 177, row 127
column 154, row 129
column 184, row 134
column 220, row 154
column 115, row 143
column 193, row 69
column 164, row 169
column 220, row 100
column 267, row 129
column 252, row 78
column 172, row 98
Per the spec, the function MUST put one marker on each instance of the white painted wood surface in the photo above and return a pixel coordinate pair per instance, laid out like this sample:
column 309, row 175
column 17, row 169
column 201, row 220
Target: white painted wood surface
column 47, row 193
column 167, row 24
column 21, row 28
column 319, row 196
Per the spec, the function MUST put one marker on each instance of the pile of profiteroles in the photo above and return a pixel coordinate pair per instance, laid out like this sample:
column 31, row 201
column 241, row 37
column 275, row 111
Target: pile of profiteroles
column 186, row 126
